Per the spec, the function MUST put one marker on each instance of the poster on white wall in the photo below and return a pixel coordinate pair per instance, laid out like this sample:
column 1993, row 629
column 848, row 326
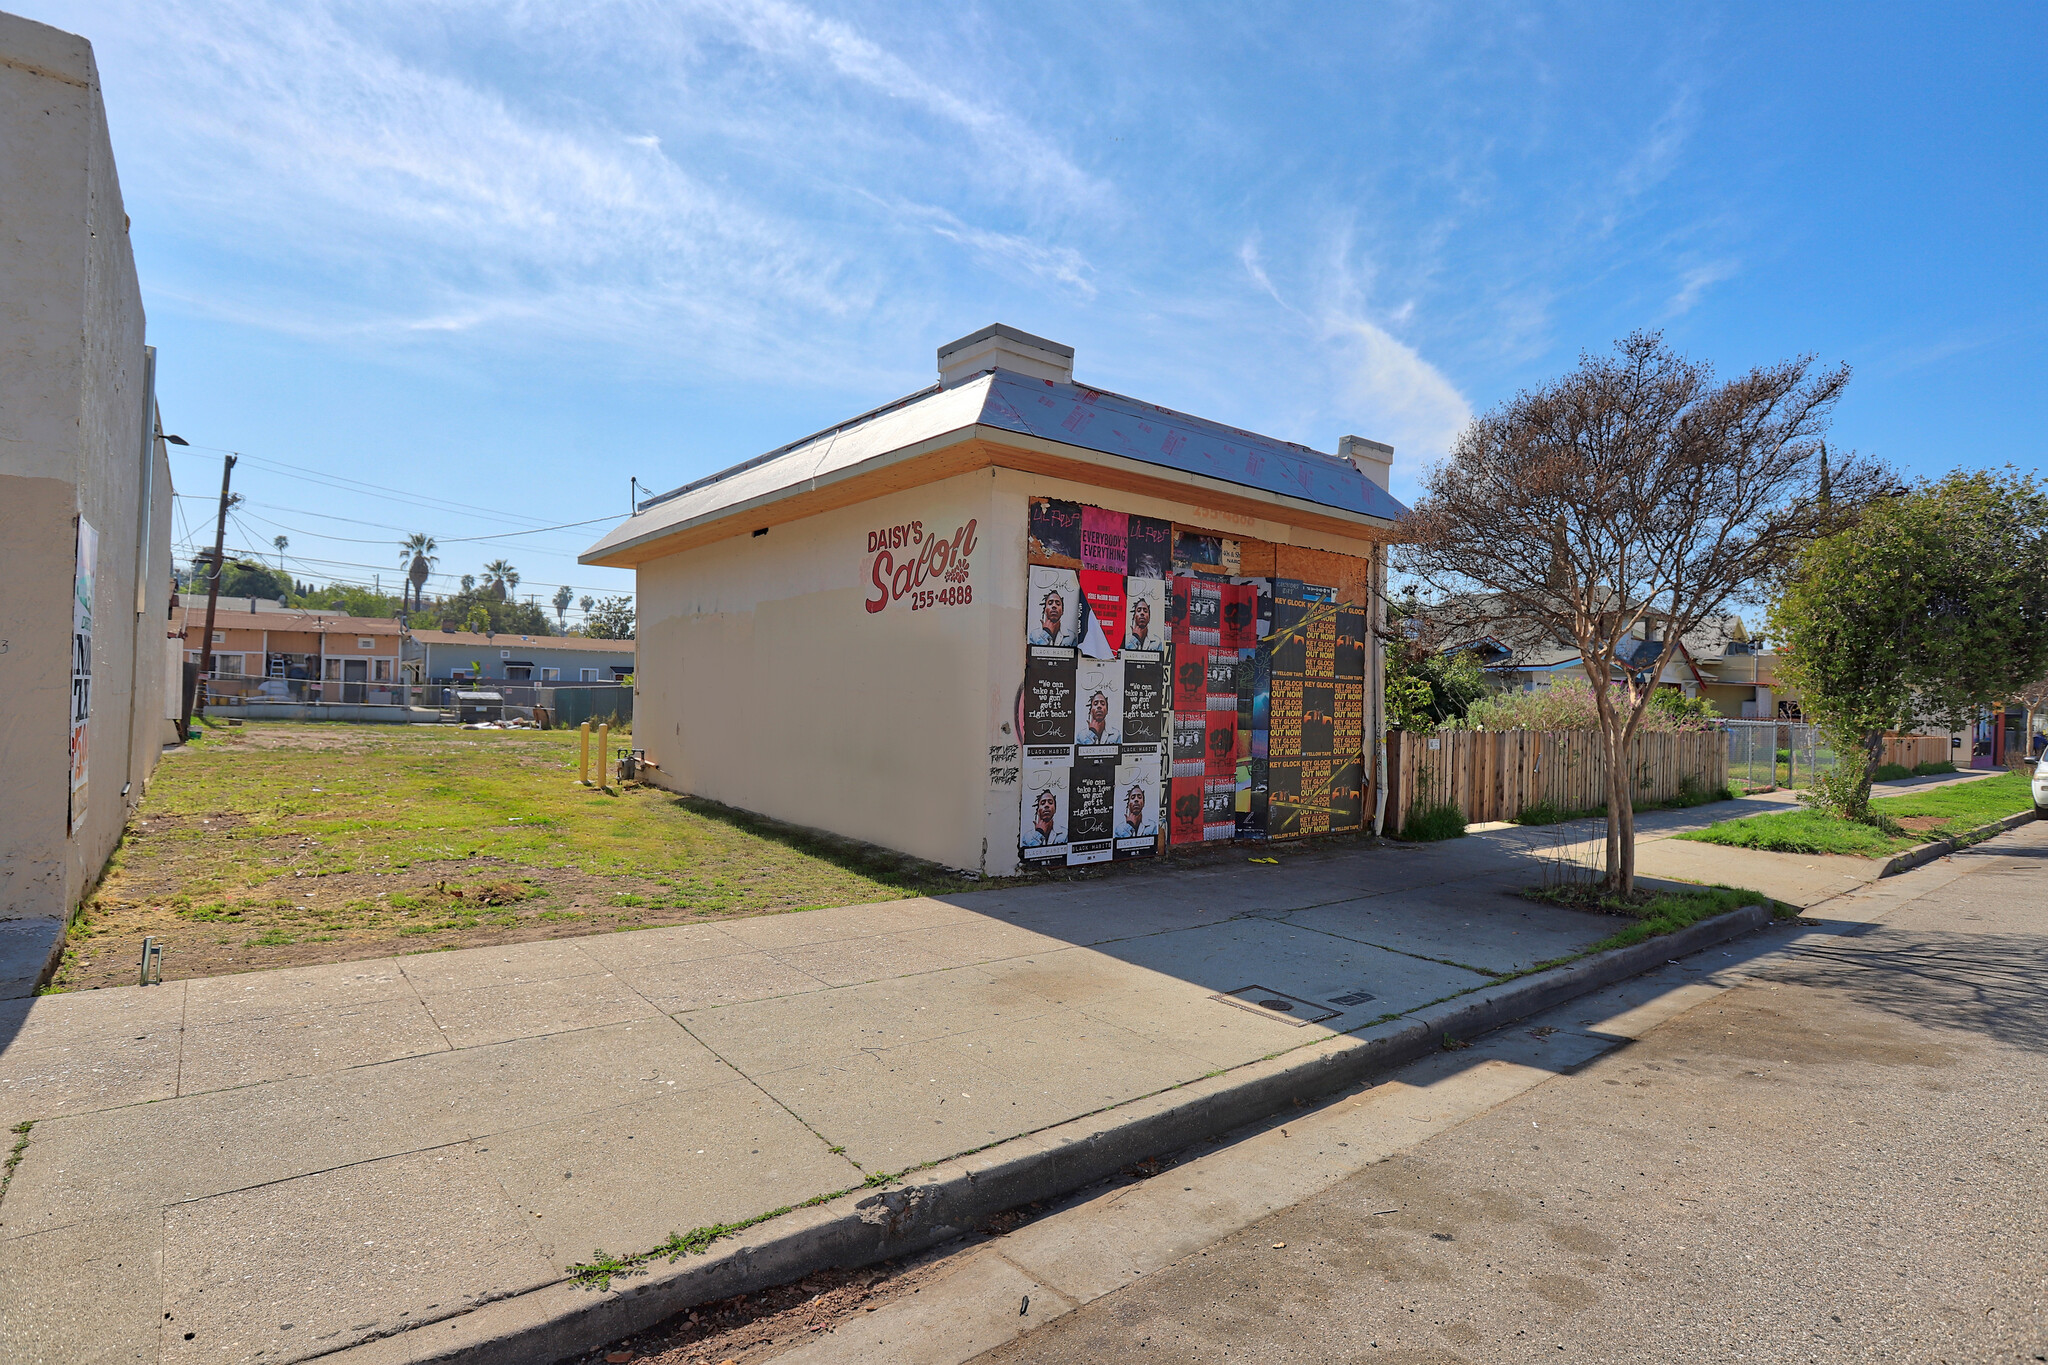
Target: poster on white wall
column 81, row 666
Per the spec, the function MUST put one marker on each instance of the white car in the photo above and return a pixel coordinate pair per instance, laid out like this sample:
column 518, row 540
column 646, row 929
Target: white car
column 2041, row 786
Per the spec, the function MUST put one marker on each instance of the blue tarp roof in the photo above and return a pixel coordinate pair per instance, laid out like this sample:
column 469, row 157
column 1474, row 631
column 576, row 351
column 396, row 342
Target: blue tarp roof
column 1115, row 425
column 1067, row 413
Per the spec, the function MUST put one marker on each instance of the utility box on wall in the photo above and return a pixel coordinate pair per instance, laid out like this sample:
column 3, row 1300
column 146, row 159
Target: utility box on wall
column 963, row 625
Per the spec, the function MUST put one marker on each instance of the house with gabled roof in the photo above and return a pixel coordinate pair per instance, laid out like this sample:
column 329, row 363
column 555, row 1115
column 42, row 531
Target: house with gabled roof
column 998, row 623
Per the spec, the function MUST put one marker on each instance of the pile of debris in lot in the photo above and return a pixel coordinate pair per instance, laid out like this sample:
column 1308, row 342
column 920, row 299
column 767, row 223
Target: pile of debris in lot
column 516, row 723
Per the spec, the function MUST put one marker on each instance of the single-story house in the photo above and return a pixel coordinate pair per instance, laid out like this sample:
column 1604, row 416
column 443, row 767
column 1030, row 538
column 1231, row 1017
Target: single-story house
column 1012, row 620
column 438, row 656
column 260, row 641
column 1518, row 655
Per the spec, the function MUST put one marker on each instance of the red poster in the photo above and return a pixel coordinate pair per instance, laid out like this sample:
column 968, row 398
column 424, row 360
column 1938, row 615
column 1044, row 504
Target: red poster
column 1185, row 819
column 1177, row 608
column 1104, row 538
column 1105, row 594
column 1222, row 749
column 1240, row 628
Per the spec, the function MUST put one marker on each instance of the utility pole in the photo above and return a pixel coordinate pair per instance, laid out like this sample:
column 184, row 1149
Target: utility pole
column 220, row 533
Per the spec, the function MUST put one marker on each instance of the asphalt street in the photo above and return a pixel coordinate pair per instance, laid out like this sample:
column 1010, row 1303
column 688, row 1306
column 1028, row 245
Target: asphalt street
column 1841, row 1158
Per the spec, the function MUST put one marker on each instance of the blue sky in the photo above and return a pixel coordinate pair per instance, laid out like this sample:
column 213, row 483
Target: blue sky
column 507, row 256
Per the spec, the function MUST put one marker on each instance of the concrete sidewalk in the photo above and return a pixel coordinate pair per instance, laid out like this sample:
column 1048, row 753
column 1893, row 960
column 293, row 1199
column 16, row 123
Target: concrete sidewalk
column 283, row 1164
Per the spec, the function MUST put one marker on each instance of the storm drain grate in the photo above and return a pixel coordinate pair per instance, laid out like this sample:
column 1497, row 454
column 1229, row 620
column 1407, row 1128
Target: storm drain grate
column 1288, row 1009
column 1355, row 998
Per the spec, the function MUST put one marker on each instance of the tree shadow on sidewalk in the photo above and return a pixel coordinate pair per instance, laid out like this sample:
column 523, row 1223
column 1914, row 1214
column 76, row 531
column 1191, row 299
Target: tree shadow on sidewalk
column 1985, row 983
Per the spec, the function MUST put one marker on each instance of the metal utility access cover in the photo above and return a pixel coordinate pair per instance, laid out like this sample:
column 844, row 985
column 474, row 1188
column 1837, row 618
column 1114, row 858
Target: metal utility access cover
column 1288, row 1009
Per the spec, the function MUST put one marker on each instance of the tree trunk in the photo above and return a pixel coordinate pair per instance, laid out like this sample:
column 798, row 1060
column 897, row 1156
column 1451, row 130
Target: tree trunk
column 1621, row 860
column 1873, row 756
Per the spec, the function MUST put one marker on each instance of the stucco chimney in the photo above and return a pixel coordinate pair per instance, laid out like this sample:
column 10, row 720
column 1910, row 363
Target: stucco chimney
column 1374, row 459
column 1000, row 345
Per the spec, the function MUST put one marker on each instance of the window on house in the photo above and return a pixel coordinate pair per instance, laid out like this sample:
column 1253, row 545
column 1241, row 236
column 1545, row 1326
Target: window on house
column 365, row 642
column 331, row 671
column 586, row 675
column 380, row 670
column 220, row 637
column 551, row 675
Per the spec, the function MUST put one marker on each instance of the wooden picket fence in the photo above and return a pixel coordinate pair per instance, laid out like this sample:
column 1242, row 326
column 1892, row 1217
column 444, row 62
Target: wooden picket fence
column 1910, row 751
column 1492, row 775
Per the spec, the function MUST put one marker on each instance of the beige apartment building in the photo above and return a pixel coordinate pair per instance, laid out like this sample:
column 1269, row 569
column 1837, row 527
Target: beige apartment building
column 85, row 502
column 1012, row 620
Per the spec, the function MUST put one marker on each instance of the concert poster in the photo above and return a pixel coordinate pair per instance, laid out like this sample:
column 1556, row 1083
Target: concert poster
column 1205, row 613
column 1220, row 684
column 1190, row 743
column 1219, row 808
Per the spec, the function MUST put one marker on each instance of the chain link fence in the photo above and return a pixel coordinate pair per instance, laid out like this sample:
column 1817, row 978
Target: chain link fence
column 1763, row 754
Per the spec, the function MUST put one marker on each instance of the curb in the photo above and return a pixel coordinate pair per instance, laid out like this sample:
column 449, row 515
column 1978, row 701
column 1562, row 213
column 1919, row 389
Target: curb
column 1941, row 848
column 949, row 1200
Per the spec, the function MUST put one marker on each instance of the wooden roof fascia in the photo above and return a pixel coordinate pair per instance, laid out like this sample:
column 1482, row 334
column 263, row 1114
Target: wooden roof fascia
column 967, row 449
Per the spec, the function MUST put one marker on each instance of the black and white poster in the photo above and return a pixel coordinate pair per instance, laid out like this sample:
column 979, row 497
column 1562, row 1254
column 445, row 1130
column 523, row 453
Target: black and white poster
column 1048, row 706
column 1098, row 702
column 1137, row 806
column 1046, row 797
column 1091, row 811
column 1144, row 613
column 1144, row 699
column 1052, row 607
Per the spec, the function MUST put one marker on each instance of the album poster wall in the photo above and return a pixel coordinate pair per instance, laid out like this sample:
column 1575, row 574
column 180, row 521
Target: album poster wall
column 1095, row 710
column 1166, row 693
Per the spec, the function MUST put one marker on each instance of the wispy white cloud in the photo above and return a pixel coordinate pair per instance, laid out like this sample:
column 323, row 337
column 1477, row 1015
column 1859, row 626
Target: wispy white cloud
column 1694, row 283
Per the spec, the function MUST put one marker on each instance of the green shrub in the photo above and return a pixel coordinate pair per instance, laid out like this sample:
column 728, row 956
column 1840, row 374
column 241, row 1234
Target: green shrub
column 1892, row 772
column 1426, row 824
column 1933, row 769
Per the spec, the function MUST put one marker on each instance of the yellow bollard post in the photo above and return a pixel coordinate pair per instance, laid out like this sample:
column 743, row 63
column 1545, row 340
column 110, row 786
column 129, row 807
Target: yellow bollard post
column 583, row 761
column 604, row 737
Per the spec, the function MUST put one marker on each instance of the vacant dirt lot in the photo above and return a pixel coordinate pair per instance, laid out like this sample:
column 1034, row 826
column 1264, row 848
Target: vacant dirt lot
column 269, row 845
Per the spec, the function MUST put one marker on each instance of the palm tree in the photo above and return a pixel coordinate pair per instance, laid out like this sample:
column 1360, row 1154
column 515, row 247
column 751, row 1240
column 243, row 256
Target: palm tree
column 562, row 596
column 586, row 602
column 280, row 542
column 417, row 551
column 500, row 577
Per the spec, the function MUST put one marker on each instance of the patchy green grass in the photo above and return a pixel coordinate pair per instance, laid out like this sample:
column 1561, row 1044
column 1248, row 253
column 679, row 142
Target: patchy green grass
column 1426, row 824
column 280, row 843
column 1655, row 912
column 1912, row 820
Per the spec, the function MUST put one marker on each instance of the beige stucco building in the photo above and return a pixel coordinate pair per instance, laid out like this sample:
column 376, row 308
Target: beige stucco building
column 838, row 633
column 85, row 501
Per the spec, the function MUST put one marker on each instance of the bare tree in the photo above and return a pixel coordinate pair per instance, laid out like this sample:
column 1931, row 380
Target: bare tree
column 1622, row 505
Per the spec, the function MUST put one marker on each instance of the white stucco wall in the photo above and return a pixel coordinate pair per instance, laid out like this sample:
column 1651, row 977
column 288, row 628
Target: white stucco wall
column 765, row 683
column 73, row 413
